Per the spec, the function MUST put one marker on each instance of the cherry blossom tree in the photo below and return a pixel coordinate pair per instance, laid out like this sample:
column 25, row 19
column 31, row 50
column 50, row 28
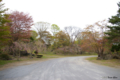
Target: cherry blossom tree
column 20, row 25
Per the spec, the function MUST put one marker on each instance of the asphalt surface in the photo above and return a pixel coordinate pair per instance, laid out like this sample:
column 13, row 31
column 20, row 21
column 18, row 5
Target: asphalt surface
column 70, row 68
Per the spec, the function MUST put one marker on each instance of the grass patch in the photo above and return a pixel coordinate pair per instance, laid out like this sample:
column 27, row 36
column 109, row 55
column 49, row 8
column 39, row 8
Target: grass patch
column 26, row 59
column 51, row 54
column 46, row 56
column 111, row 63
column 3, row 62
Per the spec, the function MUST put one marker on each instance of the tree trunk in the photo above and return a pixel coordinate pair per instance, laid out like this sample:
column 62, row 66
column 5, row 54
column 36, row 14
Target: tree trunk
column 100, row 54
column 18, row 56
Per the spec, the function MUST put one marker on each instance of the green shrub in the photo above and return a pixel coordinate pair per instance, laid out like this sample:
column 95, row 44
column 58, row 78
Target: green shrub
column 5, row 57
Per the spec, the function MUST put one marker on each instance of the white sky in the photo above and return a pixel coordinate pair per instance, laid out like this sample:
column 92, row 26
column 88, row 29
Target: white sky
column 66, row 12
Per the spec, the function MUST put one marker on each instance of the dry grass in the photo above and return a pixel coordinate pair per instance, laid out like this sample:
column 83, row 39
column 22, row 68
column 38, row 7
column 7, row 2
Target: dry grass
column 4, row 64
column 111, row 63
column 24, row 61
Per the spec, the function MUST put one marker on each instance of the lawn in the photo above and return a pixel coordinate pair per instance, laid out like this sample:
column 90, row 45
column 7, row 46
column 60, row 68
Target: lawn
column 26, row 60
column 45, row 56
column 111, row 63
column 23, row 59
column 3, row 62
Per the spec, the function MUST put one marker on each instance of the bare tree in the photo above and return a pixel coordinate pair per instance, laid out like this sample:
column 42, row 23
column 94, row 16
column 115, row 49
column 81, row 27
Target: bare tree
column 41, row 28
column 72, row 32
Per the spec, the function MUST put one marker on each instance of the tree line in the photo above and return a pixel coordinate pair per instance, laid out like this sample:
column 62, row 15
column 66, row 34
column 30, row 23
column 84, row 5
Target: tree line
column 102, row 37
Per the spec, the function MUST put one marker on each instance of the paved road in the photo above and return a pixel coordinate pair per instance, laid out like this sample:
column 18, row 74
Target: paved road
column 70, row 68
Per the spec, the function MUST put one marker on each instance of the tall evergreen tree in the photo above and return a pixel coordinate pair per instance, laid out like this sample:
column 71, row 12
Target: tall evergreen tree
column 4, row 29
column 114, row 30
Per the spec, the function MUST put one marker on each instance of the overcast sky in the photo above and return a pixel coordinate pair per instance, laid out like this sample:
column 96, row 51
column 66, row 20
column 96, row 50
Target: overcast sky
column 65, row 12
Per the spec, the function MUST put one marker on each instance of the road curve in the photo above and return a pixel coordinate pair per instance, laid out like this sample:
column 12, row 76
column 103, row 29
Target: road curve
column 70, row 68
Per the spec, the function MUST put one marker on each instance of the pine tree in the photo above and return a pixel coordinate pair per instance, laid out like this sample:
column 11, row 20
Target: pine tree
column 114, row 30
column 4, row 29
